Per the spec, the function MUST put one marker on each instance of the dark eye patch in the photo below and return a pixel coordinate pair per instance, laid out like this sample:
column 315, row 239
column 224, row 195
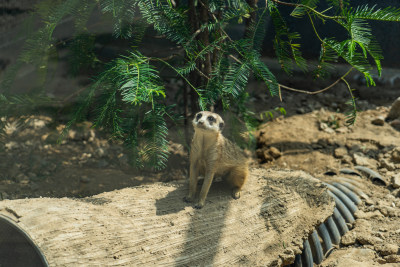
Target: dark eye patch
column 221, row 125
column 198, row 116
column 211, row 118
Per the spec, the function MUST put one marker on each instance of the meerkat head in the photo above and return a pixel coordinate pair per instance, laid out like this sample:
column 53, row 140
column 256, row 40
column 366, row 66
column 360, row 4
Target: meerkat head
column 208, row 121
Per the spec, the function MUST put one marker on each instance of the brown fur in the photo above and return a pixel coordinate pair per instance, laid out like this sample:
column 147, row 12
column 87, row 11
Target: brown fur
column 213, row 155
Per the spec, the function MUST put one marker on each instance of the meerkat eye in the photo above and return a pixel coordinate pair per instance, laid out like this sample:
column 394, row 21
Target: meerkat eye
column 211, row 118
column 198, row 116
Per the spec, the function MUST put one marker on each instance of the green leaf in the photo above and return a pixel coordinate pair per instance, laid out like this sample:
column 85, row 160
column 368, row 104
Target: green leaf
column 261, row 71
column 123, row 14
column 285, row 47
column 299, row 11
column 155, row 150
column 236, row 79
column 373, row 13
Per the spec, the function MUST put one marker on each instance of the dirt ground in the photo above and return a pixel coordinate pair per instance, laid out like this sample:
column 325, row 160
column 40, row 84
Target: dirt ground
column 304, row 142
column 310, row 137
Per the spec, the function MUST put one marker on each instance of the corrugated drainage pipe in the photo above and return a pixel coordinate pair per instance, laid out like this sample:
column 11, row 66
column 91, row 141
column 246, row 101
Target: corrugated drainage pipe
column 319, row 244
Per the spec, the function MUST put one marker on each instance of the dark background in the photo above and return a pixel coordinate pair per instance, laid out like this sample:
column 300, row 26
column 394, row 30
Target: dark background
column 14, row 22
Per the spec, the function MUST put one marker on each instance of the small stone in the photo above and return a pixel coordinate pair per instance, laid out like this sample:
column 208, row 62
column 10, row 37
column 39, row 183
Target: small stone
column 392, row 212
column 259, row 152
column 82, row 132
column 396, row 181
column 342, row 130
column 361, row 159
column 24, row 182
column 395, row 124
column 11, row 145
column 384, row 211
column 287, row 257
column 99, row 152
column 37, row 123
column 380, row 121
column 387, row 249
column 324, row 127
column 34, row 186
column 84, row 179
column 274, row 152
column 73, row 135
column 85, row 156
column 367, row 200
column 21, row 178
column 340, row 152
column 384, row 163
column 394, row 112
column 52, row 138
column 347, row 159
column 368, row 215
column 300, row 111
column 266, row 156
column 367, row 239
column 396, row 155
column 349, row 238
column 392, row 258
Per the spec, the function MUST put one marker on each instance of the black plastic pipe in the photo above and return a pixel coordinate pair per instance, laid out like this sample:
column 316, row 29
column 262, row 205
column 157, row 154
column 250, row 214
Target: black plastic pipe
column 333, row 231
column 348, row 192
column 307, row 255
column 323, row 232
column 353, row 188
column 345, row 199
column 340, row 223
column 375, row 177
column 344, row 211
column 318, row 253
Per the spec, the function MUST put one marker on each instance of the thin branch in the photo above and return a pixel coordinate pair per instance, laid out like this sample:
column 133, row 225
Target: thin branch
column 319, row 91
column 163, row 58
column 309, row 8
column 351, row 118
column 202, row 74
column 315, row 30
column 299, row 90
column 66, row 99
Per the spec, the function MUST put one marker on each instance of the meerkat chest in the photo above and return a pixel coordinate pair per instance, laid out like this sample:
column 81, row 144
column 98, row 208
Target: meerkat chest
column 204, row 148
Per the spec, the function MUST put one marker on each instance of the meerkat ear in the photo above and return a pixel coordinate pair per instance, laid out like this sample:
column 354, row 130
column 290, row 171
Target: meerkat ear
column 221, row 126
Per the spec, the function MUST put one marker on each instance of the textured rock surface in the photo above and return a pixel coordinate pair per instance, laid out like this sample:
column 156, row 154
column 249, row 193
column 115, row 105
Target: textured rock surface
column 151, row 225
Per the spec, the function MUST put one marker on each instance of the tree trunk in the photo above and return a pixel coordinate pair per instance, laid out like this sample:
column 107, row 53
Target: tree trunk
column 150, row 225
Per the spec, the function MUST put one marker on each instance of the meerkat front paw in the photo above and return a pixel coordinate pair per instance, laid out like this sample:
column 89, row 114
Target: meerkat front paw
column 198, row 206
column 188, row 199
column 236, row 193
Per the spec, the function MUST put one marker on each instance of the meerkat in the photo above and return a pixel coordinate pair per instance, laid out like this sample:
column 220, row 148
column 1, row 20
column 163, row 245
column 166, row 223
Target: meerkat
column 212, row 155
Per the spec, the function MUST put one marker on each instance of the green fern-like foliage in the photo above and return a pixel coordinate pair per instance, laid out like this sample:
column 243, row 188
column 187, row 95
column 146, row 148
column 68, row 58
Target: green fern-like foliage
column 127, row 96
